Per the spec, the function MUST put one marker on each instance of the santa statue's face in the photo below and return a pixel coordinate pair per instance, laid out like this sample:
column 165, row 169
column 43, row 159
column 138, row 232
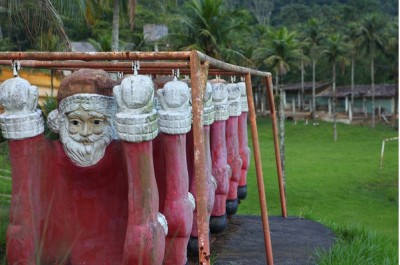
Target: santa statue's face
column 85, row 135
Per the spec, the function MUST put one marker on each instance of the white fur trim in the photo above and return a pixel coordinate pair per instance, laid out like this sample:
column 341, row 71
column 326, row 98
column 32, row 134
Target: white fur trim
column 243, row 96
column 235, row 105
column 220, row 100
column 175, row 116
column 163, row 222
column 21, row 126
column 192, row 201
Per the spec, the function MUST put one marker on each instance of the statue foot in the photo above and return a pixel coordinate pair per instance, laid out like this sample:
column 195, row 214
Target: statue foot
column 218, row 224
column 232, row 206
column 193, row 247
column 242, row 192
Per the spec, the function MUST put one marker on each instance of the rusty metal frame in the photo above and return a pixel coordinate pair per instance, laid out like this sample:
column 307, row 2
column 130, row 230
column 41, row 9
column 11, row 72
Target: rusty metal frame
column 199, row 66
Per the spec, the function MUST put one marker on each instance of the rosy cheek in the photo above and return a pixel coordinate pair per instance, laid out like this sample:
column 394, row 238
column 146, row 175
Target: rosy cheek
column 73, row 129
column 99, row 129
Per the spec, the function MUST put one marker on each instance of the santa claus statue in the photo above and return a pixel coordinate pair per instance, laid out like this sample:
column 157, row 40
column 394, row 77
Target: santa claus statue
column 89, row 197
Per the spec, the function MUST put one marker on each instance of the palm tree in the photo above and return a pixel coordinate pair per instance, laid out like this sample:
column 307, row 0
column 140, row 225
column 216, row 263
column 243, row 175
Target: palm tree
column 127, row 6
column 313, row 39
column 351, row 39
column 371, row 40
column 207, row 27
column 41, row 19
column 280, row 51
column 392, row 50
column 335, row 50
column 304, row 60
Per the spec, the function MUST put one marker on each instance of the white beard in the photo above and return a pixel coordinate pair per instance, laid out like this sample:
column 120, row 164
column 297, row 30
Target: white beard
column 87, row 154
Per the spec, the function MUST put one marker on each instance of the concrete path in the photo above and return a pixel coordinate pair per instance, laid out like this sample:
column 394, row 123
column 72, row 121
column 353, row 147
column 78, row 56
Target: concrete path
column 294, row 241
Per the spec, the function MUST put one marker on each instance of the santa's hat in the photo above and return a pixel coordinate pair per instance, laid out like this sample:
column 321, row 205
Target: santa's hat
column 90, row 89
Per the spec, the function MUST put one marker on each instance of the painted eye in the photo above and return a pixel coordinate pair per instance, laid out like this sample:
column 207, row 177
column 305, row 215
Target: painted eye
column 75, row 122
column 97, row 122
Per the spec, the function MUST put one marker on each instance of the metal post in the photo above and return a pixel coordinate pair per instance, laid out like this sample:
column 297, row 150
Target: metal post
column 197, row 77
column 276, row 144
column 260, row 178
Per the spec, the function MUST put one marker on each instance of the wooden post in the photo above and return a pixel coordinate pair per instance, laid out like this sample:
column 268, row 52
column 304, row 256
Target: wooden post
column 365, row 110
column 379, row 112
column 350, row 112
column 293, row 107
column 299, row 100
column 329, row 108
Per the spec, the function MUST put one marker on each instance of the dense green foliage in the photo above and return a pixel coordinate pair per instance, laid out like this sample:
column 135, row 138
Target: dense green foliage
column 230, row 30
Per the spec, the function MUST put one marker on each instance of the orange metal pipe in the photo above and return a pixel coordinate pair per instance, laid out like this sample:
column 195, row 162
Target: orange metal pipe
column 146, row 67
column 271, row 102
column 259, row 173
column 71, row 64
column 214, row 63
column 198, row 76
column 94, row 56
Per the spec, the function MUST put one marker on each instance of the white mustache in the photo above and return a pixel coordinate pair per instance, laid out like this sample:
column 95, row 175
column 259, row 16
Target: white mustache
column 87, row 139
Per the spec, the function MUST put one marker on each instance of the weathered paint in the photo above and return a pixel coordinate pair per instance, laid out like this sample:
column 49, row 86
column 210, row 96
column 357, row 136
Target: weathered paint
column 232, row 146
column 174, row 122
column 62, row 213
column 176, row 207
column 197, row 73
column 244, row 152
column 145, row 239
column 220, row 168
column 235, row 163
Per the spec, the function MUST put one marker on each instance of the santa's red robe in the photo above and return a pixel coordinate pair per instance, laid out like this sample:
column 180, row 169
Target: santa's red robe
column 62, row 213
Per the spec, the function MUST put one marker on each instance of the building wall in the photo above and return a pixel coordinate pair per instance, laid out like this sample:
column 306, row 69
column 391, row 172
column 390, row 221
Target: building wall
column 39, row 78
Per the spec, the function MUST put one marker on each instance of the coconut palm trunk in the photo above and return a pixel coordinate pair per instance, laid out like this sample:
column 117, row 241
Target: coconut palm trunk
column 334, row 101
column 353, row 61
column 302, row 85
column 115, row 27
column 373, row 91
column 282, row 130
column 314, row 62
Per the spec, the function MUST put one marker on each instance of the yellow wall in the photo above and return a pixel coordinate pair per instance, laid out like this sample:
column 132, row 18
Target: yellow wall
column 40, row 79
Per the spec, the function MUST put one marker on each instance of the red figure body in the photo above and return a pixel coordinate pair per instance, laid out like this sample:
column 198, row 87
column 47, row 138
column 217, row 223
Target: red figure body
column 159, row 168
column 234, row 161
column 220, row 169
column 144, row 241
column 244, row 154
column 176, row 207
column 62, row 213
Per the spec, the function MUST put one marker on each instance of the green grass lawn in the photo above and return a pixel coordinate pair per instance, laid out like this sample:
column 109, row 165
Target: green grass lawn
column 339, row 184
column 329, row 181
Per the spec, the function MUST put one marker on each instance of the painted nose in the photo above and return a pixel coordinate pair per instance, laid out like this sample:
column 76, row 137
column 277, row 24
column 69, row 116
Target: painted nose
column 86, row 131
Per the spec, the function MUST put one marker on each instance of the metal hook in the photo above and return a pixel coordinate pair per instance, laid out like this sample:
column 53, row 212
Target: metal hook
column 135, row 67
column 233, row 79
column 15, row 66
column 175, row 73
column 242, row 79
column 217, row 77
column 120, row 75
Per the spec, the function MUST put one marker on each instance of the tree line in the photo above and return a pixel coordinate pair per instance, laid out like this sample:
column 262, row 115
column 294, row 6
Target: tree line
column 289, row 38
